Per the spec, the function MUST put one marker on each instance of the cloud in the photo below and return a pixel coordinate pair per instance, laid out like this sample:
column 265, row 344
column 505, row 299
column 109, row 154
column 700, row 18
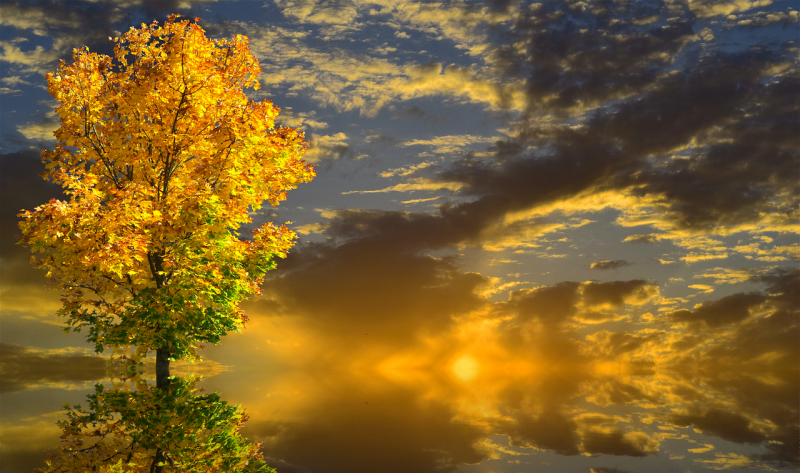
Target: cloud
column 588, row 302
column 311, row 228
column 727, row 425
column 721, row 312
column 731, row 275
column 610, row 148
column 694, row 257
column 349, row 81
column 406, row 170
column 642, row 238
column 326, row 147
column 14, row 81
column 467, row 26
column 572, row 70
column 35, row 60
column 709, row 8
column 616, row 442
column 341, row 12
column 40, row 131
column 551, row 431
column 73, row 25
column 293, row 119
column 450, row 144
column 724, row 461
column 27, row 368
column 613, row 345
column 775, row 253
column 705, row 448
column 362, row 288
column 609, row 264
column 413, row 184
column 702, row 287
column 416, row 201
column 27, row 17
column 763, row 18
column 414, row 317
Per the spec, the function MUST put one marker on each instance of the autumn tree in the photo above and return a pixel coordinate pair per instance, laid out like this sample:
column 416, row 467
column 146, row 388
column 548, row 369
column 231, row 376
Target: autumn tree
column 139, row 428
column 163, row 158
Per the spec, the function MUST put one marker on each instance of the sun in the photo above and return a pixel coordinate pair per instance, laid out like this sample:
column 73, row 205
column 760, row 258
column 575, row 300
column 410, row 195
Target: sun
column 466, row 368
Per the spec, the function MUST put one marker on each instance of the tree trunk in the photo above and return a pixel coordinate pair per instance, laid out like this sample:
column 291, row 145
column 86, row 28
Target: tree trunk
column 160, row 457
column 162, row 382
column 162, row 368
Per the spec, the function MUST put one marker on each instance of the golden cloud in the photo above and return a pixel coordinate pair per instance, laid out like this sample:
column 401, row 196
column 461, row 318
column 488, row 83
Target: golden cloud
column 414, row 184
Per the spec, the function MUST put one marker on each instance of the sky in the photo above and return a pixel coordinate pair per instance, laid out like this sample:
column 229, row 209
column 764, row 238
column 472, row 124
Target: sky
column 543, row 237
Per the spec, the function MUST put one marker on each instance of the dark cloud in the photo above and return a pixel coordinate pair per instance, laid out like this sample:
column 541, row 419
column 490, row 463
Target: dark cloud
column 615, row 442
column 604, row 469
column 550, row 304
column 784, row 285
column 722, row 184
column 784, row 450
column 326, row 148
column 687, row 342
column 79, row 23
column 552, row 431
column 727, row 425
column 628, row 145
column 612, row 391
column 615, row 293
column 614, row 344
column 560, row 302
column 734, row 181
column 367, row 287
column 609, row 264
column 23, row 368
column 72, row 24
column 725, row 311
column 580, row 56
column 756, row 366
column 405, row 231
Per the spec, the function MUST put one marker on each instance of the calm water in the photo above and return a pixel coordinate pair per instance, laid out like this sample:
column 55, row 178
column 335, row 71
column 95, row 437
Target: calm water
column 510, row 388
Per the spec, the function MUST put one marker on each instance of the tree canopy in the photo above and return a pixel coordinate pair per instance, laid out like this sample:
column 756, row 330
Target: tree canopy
column 163, row 157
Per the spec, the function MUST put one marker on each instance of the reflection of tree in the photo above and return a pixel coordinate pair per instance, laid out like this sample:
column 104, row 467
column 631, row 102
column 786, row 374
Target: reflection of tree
column 138, row 427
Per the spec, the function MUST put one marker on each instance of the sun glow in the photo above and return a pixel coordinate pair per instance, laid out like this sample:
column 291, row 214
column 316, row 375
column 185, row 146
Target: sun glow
column 466, row 368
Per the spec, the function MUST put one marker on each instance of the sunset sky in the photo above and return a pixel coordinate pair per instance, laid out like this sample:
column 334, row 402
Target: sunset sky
column 543, row 237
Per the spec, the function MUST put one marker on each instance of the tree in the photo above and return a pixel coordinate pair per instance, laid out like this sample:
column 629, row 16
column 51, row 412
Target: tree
column 147, row 429
column 162, row 157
